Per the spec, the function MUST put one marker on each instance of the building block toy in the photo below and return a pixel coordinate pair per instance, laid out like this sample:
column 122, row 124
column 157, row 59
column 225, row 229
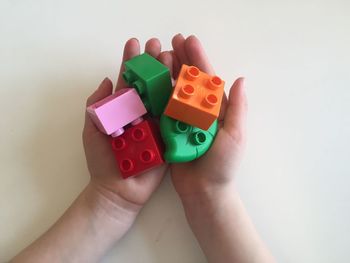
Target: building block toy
column 152, row 81
column 138, row 149
column 183, row 142
column 114, row 112
column 196, row 99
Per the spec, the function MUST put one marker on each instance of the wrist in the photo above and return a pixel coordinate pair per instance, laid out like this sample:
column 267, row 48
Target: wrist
column 105, row 203
column 206, row 192
column 95, row 221
column 207, row 201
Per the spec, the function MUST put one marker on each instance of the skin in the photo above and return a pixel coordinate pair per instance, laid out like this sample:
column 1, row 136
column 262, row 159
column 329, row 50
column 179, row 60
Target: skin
column 108, row 206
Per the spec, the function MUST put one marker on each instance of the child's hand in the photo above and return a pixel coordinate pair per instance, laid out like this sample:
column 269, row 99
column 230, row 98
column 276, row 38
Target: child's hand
column 216, row 168
column 212, row 206
column 102, row 165
column 107, row 207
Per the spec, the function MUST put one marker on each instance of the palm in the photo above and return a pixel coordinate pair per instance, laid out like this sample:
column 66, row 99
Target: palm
column 99, row 155
column 187, row 177
column 226, row 150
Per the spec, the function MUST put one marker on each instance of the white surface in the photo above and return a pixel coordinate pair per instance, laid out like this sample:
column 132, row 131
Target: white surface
column 295, row 177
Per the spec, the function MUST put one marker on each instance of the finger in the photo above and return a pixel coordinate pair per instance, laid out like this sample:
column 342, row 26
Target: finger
column 131, row 49
column 153, row 47
column 167, row 59
column 176, row 65
column 223, row 107
column 105, row 89
column 236, row 112
column 197, row 56
column 178, row 43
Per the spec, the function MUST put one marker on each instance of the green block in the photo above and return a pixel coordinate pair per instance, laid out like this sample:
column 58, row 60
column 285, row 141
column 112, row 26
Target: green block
column 152, row 81
column 184, row 142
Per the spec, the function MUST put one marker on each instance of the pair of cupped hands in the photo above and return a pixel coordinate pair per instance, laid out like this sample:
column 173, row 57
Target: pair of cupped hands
column 210, row 174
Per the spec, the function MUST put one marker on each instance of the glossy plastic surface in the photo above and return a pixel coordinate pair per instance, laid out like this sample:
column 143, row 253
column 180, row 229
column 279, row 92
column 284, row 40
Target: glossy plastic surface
column 183, row 142
column 112, row 113
column 196, row 99
column 152, row 81
column 138, row 149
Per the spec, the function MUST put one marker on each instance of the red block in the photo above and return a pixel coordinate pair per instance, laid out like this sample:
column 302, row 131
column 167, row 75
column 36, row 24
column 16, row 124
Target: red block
column 138, row 149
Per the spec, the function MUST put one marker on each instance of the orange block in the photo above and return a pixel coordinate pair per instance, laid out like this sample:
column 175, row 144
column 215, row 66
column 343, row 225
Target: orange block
column 196, row 99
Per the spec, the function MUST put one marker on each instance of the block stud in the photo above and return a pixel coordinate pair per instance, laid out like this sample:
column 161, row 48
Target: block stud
column 118, row 144
column 147, row 156
column 199, row 138
column 210, row 101
column 127, row 76
column 214, row 82
column 138, row 149
column 147, row 105
column 138, row 134
column 139, row 87
column 152, row 81
column 196, row 99
column 181, row 127
column 126, row 165
column 192, row 73
column 118, row 132
column 137, row 121
column 186, row 91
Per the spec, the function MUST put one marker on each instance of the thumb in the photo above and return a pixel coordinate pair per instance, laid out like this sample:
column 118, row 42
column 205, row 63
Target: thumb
column 236, row 112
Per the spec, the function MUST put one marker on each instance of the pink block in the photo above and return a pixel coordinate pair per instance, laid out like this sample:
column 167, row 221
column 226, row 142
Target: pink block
column 112, row 113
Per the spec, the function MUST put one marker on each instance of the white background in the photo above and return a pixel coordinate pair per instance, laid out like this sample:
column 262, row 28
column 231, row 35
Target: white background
column 295, row 177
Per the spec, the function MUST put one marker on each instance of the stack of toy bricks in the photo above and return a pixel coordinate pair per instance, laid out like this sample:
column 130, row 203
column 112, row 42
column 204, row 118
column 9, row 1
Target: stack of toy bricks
column 188, row 116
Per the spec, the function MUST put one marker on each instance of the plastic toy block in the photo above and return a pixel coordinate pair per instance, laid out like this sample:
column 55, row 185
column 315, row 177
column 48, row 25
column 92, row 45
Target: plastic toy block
column 196, row 99
column 183, row 142
column 138, row 149
column 112, row 113
column 152, row 81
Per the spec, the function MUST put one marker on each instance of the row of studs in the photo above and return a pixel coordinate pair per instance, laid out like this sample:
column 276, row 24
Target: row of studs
column 146, row 156
column 188, row 90
column 197, row 138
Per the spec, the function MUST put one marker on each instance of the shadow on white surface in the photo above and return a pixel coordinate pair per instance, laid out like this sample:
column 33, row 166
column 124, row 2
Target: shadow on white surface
column 160, row 234
column 50, row 167
column 50, row 154
column 295, row 57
